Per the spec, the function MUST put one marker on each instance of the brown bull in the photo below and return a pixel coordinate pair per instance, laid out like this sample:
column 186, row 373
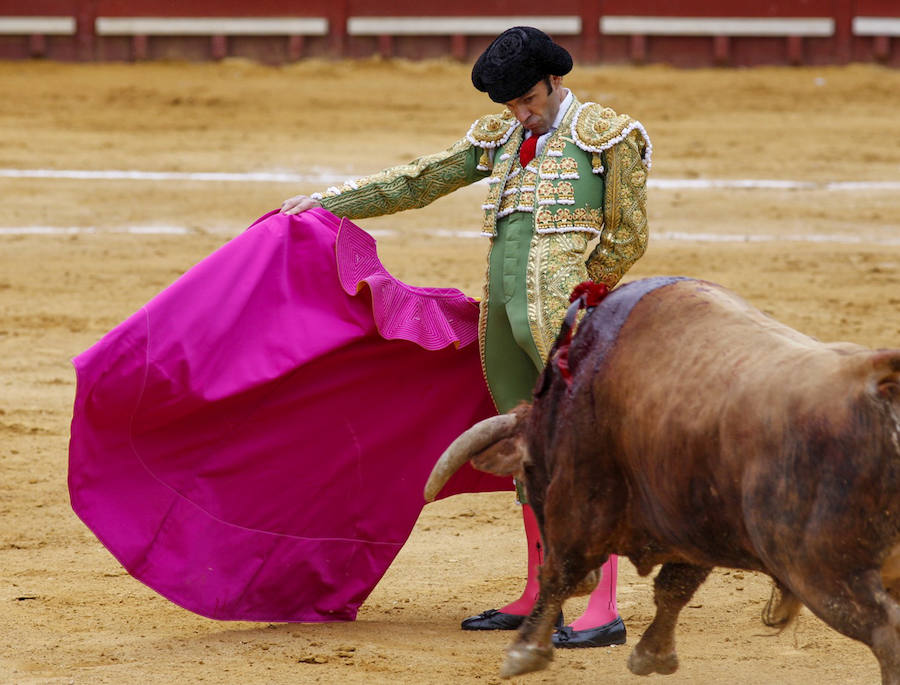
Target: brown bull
column 694, row 432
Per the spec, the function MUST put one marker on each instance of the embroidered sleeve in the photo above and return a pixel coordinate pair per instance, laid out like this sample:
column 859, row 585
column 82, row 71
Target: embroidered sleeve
column 624, row 236
column 408, row 186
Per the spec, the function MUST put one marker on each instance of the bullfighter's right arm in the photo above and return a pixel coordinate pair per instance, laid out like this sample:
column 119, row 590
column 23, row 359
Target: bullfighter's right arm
column 408, row 186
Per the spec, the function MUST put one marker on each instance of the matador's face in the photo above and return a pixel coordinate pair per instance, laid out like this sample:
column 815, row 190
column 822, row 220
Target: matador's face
column 536, row 110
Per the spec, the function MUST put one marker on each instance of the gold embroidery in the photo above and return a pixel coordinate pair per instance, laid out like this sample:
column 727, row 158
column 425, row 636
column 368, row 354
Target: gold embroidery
column 624, row 236
column 555, row 267
column 546, row 191
column 556, row 146
column 493, row 194
column 543, row 219
column 565, row 193
column 492, row 130
column 569, row 167
column 598, row 126
column 549, row 168
column 502, row 171
column 563, row 218
column 526, row 199
column 593, row 218
column 482, row 320
column 488, row 225
column 529, row 178
column 580, row 218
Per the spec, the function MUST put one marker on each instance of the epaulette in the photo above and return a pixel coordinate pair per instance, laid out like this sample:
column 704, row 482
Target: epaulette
column 492, row 130
column 596, row 128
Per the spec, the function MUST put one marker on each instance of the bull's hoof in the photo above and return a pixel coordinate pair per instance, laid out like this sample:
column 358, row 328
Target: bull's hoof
column 641, row 662
column 521, row 659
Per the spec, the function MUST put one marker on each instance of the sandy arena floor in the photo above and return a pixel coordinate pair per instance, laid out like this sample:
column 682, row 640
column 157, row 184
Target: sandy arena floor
column 822, row 259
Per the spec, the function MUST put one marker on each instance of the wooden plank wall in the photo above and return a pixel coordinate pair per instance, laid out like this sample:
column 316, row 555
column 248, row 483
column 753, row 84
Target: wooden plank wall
column 697, row 33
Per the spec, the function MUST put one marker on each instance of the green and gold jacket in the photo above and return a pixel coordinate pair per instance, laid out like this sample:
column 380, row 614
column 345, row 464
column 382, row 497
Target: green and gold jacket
column 586, row 192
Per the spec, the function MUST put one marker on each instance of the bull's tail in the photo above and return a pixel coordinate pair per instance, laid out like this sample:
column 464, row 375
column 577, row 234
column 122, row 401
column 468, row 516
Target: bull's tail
column 782, row 608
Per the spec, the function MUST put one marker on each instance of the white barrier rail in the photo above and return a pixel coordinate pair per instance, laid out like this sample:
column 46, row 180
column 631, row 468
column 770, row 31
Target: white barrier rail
column 468, row 26
column 211, row 26
column 717, row 26
column 45, row 26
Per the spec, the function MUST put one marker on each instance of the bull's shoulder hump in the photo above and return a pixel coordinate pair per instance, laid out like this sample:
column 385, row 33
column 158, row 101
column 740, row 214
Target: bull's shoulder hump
column 602, row 327
column 706, row 306
column 492, row 130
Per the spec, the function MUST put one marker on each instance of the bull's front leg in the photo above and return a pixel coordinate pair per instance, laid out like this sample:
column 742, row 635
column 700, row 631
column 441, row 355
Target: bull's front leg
column 674, row 586
column 533, row 648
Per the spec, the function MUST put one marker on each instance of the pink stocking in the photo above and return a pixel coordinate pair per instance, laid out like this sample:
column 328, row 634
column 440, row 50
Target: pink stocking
column 601, row 608
column 524, row 604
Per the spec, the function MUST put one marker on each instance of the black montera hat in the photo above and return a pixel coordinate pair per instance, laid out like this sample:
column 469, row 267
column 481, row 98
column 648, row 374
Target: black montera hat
column 516, row 60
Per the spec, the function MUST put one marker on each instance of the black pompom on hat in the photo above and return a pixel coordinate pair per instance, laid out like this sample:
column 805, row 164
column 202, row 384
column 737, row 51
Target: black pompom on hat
column 516, row 60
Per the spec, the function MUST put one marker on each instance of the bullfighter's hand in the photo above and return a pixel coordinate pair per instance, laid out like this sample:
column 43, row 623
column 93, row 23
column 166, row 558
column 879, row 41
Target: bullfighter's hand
column 298, row 203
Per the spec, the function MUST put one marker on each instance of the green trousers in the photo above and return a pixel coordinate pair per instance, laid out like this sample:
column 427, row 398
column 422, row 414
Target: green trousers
column 511, row 358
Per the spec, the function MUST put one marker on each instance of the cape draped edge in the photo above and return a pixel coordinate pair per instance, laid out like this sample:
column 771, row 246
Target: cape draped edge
column 253, row 443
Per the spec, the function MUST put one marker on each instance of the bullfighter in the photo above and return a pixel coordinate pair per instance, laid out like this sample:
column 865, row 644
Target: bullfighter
column 566, row 203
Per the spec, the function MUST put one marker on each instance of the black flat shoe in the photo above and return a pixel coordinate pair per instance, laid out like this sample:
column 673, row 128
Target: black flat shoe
column 613, row 633
column 497, row 620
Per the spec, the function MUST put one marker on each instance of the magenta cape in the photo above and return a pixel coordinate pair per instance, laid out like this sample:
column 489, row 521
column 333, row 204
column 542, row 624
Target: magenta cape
column 253, row 443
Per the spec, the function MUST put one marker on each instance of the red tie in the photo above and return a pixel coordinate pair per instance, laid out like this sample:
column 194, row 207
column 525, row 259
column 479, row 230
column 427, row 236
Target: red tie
column 527, row 149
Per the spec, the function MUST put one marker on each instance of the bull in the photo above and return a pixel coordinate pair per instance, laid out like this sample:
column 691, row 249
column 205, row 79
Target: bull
column 683, row 427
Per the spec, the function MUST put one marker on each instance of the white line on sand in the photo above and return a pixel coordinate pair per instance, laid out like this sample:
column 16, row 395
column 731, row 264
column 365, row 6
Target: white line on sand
column 79, row 230
column 448, row 233
column 843, row 239
column 325, row 176
column 319, row 176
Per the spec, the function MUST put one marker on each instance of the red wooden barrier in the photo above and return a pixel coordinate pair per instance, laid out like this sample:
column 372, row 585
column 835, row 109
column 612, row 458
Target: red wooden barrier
column 696, row 33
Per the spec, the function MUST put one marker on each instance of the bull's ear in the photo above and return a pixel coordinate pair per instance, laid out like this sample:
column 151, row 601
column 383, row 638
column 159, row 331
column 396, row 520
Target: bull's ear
column 503, row 458
column 886, row 364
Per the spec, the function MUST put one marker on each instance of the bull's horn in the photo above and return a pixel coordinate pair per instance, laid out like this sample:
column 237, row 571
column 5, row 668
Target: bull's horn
column 479, row 436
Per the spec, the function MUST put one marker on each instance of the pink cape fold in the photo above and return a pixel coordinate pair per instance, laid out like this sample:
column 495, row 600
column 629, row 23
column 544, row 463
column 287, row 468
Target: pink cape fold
column 253, row 443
